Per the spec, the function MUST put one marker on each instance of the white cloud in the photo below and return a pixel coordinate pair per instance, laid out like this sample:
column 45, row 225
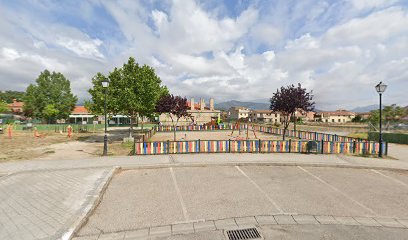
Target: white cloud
column 340, row 50
column 82, row 48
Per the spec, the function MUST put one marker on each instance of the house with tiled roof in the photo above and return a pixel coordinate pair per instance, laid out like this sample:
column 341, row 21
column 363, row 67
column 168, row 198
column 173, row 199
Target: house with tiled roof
column 16, row 107
column 338, row 116
column 266, row 116
column 81, row 115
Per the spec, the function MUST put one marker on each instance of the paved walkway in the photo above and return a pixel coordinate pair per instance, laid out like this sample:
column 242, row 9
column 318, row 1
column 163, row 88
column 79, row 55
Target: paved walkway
column 208, row 159
column 47, row 204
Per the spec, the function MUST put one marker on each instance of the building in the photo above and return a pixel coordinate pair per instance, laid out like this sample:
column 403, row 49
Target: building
column 266, row 116
column 199, row 113
column 80, row 115
column 338, row 116
column 239, row 113
column 16, row 107
column 305, row 116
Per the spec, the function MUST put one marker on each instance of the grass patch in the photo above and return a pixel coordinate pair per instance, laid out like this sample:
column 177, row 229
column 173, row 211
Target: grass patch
column 362, row 135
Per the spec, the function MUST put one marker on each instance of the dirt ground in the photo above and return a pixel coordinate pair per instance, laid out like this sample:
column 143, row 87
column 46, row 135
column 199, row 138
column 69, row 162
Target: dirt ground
column 213, row 135
column 23, row 145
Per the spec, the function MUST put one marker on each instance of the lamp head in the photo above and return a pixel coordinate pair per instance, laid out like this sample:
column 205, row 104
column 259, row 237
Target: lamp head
column 380, row 88
column 105, row 83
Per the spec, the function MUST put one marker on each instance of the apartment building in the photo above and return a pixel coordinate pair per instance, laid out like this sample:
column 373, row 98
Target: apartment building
column 266, row 116
column 239, row 113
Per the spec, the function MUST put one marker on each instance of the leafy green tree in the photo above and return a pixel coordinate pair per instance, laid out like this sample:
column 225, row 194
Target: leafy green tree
column 50, row 89
column 357, row 119
column 133, row 91
column 50, row 112
column 390, row 113
column 8, row 96
column 3, row 107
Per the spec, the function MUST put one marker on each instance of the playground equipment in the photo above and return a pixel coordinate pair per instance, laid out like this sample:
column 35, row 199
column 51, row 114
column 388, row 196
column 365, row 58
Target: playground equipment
column 238, row 125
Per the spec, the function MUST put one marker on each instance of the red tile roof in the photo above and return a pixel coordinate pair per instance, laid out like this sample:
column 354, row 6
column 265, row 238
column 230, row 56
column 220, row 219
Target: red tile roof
column 16, row 104
column 80, row 110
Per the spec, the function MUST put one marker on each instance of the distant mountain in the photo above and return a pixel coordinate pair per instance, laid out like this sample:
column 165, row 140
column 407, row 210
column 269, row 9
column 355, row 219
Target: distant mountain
column 233, row 103
column 365, row 109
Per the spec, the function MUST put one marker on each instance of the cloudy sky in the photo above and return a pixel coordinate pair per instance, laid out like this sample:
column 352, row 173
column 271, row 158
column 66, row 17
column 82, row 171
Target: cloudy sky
column 242, row 50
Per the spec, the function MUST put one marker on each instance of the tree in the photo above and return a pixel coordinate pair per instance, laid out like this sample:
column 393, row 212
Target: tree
column 133, row 91
column 357, row 119
column 50, row 89
column 175, row 106
column 8, row 96
column 50, row 112
column 289, row 99
column 390, row 113
column 3, row 107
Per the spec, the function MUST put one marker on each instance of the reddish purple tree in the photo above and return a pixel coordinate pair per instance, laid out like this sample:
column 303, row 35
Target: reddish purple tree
column 175, row 106
column 289, row 99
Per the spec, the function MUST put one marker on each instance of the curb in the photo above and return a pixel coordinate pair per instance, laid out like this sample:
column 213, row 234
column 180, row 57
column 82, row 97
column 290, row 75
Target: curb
column 221, row 164
column 126, row 167
column 259, row 221
column 90, row 206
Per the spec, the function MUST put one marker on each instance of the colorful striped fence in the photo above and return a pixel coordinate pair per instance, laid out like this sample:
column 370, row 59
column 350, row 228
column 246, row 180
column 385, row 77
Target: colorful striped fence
column 169, row 128
column 256, row 146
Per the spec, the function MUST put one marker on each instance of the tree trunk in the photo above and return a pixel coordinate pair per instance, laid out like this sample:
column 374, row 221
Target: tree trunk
column 174, row 131
column 294, row 122
column 131, row 126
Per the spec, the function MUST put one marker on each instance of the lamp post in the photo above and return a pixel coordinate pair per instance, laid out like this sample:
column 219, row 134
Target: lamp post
column 380, row 88
column 105, row 84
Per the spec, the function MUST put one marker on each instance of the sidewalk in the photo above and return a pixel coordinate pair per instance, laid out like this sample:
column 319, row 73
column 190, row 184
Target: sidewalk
column 207, row 159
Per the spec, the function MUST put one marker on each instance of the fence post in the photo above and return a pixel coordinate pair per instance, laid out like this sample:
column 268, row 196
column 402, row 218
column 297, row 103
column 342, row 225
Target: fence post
column 199, row 145
column 354, row 146
column 259, row 145
column 229, row 145
column 134, row 145
column 168, row 146
column 290, row 145
column 322, row 150
column 386, row 148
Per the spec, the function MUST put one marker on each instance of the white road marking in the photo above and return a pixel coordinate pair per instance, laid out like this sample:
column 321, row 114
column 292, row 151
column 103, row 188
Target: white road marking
column 183, row 206
column 389, row 177
column 261, row 190
column 337, row 190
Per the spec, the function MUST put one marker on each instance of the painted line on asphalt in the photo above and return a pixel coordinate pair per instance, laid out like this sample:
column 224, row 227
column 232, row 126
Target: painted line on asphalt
column 183, row 206
column 260, row 189
column 389, row 177
column 338, row 190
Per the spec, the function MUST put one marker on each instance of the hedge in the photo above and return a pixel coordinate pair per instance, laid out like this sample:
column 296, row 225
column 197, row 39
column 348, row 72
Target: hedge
column 389, row 137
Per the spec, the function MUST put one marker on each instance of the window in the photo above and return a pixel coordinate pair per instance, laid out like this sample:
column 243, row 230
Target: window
column 339, row 120
column 332, row 120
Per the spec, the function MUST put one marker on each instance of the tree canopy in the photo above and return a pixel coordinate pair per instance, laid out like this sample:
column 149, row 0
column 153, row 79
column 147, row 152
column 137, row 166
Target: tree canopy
column 287, row 100
column 390, row 113
column 175, row 106
column 8, row 96
column 3, row 107
column 51, row 89
column 133, row 91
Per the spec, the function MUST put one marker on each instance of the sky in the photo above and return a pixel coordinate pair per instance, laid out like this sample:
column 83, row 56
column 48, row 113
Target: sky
column 228, row 50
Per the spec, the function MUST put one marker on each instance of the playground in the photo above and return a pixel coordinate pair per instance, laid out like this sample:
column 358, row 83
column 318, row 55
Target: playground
column 214, row 135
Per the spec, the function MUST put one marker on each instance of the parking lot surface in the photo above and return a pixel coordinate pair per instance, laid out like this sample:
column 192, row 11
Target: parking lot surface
column 161, row 197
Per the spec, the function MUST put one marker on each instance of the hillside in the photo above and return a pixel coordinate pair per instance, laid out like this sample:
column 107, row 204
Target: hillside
column 235, row 103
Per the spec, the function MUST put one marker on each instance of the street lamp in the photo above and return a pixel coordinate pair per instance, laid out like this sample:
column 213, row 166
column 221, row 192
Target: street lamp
column 380, row 88
column 105, row 84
